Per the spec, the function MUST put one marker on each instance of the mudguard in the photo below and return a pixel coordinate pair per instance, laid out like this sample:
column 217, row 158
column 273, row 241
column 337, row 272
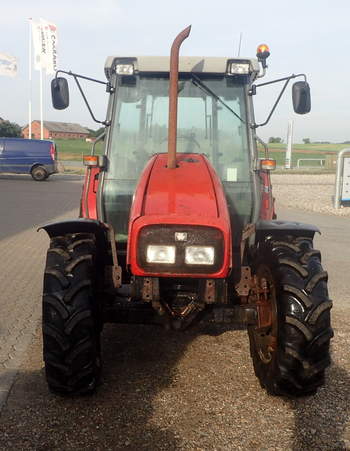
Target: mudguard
column 276, row 227
column 81, row 225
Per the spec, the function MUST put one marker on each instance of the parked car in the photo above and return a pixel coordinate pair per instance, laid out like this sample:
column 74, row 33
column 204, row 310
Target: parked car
column 28, row 156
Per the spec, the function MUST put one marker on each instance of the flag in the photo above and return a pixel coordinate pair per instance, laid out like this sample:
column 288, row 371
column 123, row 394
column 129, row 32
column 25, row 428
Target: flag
column 39, row 54
column 45, row 46
column 8, row 65
column 49, row 33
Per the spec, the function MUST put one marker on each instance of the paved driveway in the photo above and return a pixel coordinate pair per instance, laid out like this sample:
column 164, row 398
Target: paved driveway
column 24, row 205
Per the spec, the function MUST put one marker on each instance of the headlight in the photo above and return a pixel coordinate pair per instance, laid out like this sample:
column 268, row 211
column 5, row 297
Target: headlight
column 160, row 254
column 239, row 68
column 180, row 249
column 124, row 69
column 199, row 255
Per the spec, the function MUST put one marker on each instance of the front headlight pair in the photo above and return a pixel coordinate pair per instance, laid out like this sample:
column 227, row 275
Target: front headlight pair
column 180, row 249
column 194, row 255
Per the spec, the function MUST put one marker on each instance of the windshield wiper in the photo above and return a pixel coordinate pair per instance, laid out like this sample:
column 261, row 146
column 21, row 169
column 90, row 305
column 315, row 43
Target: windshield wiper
column 198, row 82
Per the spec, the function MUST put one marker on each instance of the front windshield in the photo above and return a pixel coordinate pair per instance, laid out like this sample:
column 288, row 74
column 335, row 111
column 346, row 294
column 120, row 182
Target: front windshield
column 212, row 120
column 205, row 125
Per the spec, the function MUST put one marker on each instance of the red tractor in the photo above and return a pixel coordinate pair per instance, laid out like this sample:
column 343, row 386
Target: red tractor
column 177, row 226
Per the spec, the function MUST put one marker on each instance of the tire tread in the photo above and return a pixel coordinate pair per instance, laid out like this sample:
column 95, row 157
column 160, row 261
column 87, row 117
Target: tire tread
column 70, row 334
column 303, row 306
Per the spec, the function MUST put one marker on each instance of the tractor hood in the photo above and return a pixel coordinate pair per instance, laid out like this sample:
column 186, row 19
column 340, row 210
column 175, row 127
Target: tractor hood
column 186, row 191
column 188, row 198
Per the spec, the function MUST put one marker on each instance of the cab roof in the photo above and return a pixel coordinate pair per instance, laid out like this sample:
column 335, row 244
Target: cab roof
column 196, row 64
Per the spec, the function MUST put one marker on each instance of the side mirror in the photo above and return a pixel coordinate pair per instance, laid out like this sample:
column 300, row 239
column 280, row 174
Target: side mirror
column 301, row 97
column 59, row 93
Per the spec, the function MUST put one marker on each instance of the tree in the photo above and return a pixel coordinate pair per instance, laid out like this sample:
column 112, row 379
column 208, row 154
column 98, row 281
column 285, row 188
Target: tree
column 306, row 140
column 10, row 130
column 276, row 139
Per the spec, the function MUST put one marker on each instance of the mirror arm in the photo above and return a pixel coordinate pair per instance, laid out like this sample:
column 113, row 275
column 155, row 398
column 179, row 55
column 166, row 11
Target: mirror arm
column 273, row 108
column 106, row 123
column 76, row 76
column 98, row 139
column 287, row 80
column 281, row 79
column 263, row 143
column 80, row 76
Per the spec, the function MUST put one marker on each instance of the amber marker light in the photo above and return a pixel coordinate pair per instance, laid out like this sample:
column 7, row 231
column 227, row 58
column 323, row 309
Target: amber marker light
column 262, row 53
column 91, row 160
column 263, row 49
column 268, row 164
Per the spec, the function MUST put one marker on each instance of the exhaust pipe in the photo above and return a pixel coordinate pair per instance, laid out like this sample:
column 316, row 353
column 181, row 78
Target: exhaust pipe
column 173, row 79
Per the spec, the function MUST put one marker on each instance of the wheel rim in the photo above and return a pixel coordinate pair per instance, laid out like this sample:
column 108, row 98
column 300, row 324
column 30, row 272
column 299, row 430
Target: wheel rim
column 265, row 336
column 39, row 174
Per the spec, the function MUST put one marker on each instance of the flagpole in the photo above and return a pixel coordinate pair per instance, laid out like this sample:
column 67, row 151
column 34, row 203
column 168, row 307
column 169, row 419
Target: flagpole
column 30, row 81
column 41, row 103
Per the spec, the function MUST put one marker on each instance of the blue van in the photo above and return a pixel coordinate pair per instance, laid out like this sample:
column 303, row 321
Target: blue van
column 28, row 156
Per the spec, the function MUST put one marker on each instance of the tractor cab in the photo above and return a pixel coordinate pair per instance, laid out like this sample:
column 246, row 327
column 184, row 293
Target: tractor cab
column 213, row 117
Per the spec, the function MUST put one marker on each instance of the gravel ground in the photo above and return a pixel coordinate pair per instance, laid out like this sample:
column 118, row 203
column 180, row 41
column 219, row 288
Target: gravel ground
column 170, row 391
column 309, row 192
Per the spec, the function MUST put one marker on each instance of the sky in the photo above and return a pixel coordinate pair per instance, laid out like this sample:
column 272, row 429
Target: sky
column 304, row 36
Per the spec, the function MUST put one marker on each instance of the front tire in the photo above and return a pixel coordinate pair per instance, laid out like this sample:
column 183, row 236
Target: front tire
column 71, row 328
column 291, row 354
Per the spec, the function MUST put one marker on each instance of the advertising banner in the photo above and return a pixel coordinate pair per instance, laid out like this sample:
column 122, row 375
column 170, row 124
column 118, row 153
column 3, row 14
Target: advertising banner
column 45, row 45
column 37, row 44
column 49, row 34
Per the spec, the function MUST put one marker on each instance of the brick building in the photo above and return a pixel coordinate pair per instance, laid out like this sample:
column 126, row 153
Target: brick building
column 54, row 130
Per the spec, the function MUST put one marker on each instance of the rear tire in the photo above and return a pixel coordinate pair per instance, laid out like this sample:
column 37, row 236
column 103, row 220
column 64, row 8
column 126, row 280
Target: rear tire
column 290, row 356
column 71, row 326
column 39, row 173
